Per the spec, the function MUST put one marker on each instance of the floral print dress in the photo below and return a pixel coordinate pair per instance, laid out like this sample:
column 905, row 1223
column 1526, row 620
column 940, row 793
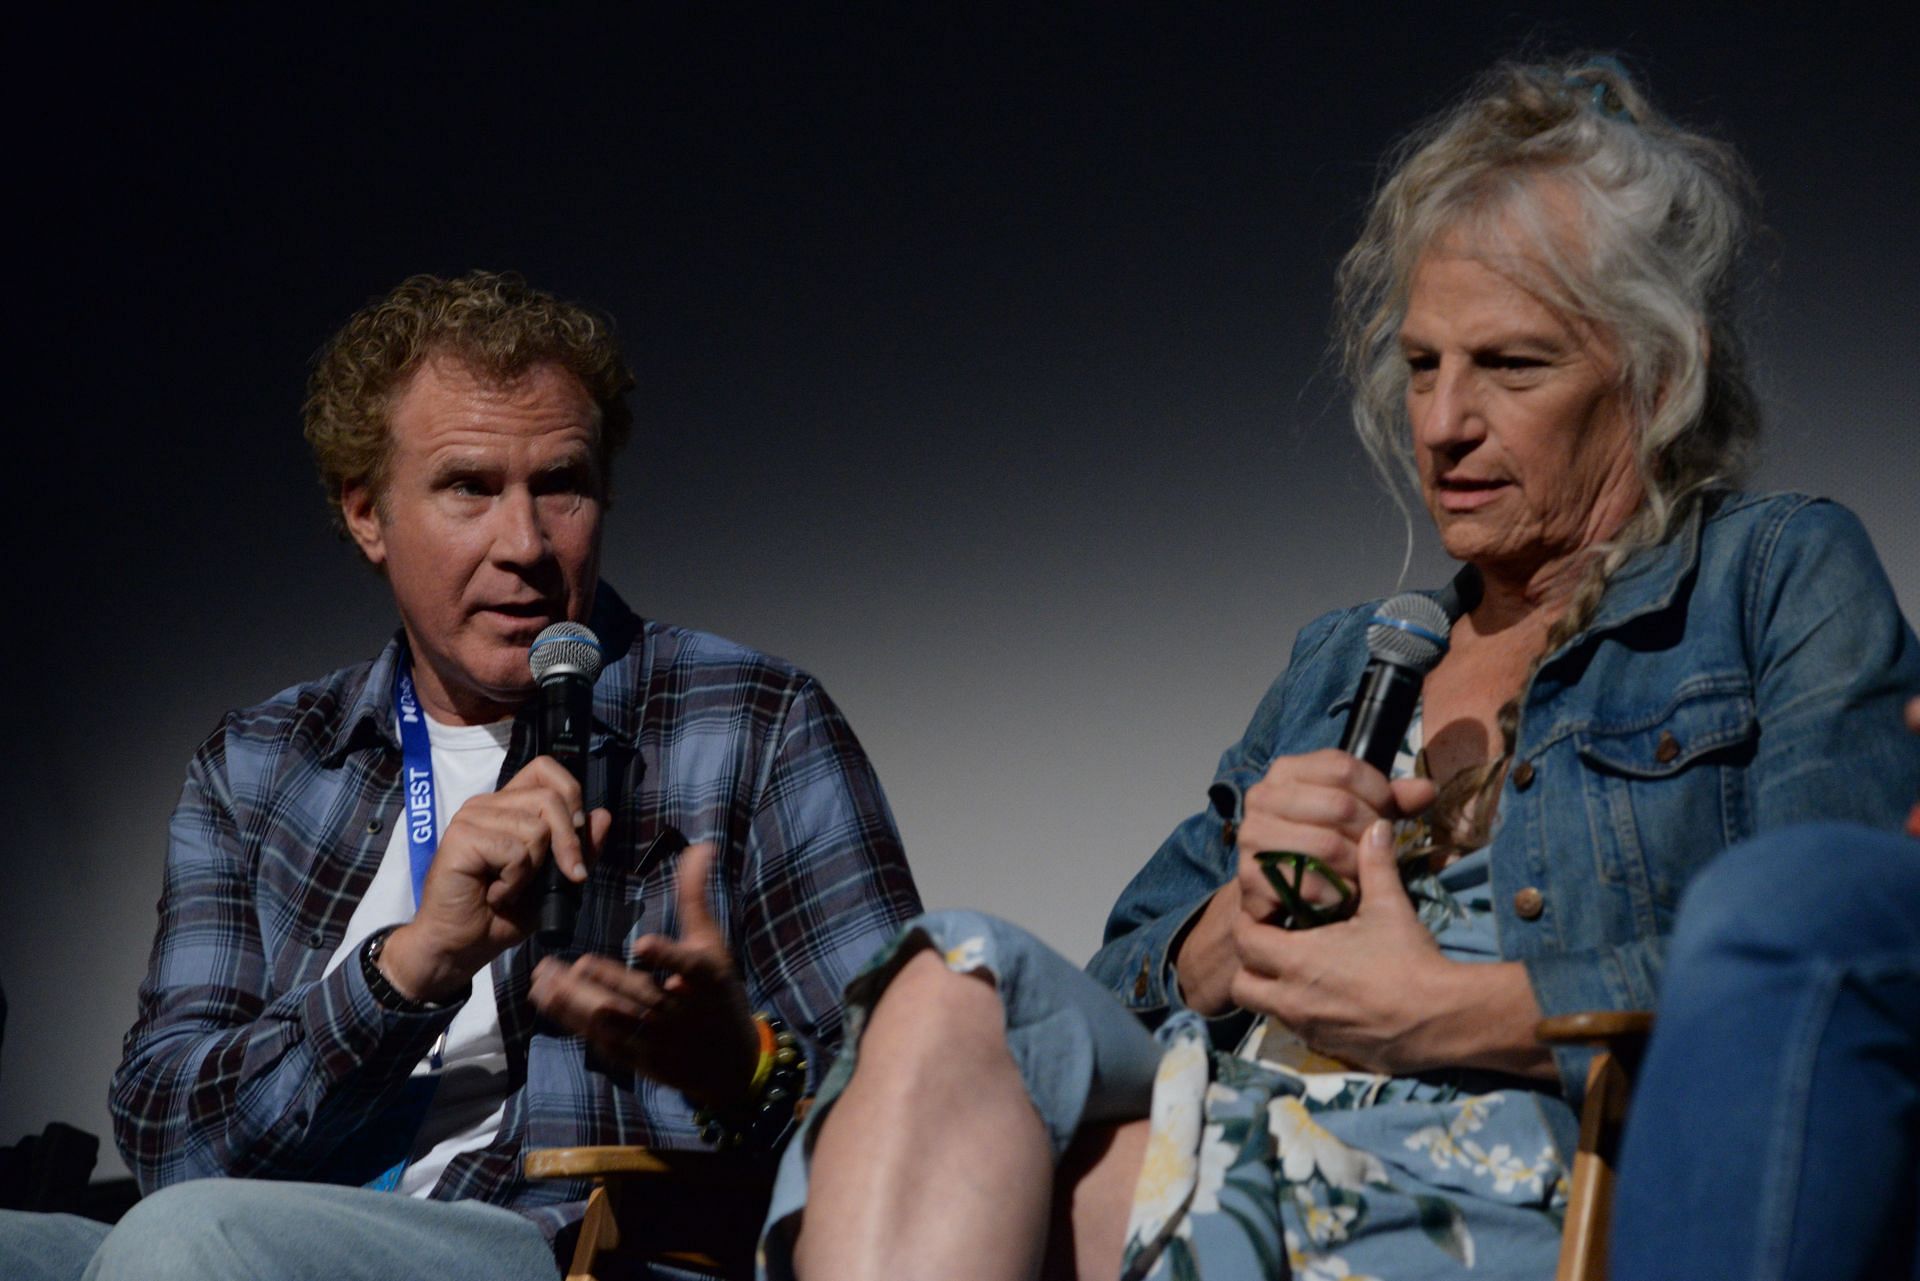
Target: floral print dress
column 1275, row 1161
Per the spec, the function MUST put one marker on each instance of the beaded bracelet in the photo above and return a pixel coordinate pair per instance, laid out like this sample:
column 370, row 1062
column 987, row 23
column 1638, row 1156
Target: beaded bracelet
column 769, row 1050
column 779, row 1077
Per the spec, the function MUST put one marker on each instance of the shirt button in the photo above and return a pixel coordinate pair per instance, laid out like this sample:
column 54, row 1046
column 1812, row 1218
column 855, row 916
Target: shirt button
column 1529, row 903
column 373, row 825
column 1667, row 748
column 1523, row 776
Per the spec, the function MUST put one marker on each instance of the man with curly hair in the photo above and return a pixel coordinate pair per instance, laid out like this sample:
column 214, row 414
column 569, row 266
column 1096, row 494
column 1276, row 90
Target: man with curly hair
column 348, row 1034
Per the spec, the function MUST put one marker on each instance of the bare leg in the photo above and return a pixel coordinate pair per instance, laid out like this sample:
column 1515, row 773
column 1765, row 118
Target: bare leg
column 1093, row 1193
column 933, row 1163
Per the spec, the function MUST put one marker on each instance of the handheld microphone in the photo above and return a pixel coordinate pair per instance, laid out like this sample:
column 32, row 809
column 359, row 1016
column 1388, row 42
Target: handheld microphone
column 565, row 658
column 1405, row 640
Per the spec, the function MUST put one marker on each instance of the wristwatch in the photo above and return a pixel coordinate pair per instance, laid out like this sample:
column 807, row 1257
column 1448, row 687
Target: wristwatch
column 389, row 996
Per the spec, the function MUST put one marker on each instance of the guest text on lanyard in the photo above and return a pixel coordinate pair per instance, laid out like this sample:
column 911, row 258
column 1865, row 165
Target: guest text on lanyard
column 423, row 827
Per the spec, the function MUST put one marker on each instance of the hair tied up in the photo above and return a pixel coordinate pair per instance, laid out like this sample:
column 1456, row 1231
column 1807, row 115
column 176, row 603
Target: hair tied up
column 1598, row 76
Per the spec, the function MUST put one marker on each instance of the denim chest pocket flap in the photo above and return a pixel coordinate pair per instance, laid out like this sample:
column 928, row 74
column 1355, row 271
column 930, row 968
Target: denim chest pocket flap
column 1665, row 790
column 1697, row 723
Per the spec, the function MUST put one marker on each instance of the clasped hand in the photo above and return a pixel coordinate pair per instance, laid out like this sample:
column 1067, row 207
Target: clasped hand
column 1357, row 989
column 1319, row 804
column 1364, row 989
column 482, row 894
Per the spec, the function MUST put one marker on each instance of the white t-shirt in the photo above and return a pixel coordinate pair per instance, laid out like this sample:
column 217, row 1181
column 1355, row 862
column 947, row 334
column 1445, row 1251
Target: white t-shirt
column 471, row 1093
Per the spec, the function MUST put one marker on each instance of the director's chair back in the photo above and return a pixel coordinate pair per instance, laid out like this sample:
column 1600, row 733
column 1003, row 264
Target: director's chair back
column 694, row 1209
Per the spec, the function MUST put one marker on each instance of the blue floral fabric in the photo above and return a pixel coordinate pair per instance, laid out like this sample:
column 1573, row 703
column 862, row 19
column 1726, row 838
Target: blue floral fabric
column 1276, row 1151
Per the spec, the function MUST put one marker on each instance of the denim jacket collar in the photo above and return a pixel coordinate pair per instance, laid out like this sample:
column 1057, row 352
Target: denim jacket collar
column 1650, row 581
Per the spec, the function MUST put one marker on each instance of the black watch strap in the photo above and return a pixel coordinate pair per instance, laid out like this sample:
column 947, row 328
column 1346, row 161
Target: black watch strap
column 389, row 996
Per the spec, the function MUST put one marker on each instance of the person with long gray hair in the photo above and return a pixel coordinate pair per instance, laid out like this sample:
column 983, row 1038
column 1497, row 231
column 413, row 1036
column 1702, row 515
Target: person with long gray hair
column 1537, row 320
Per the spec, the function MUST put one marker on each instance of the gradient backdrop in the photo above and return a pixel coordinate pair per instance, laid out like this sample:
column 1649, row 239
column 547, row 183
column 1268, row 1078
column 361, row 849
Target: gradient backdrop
column 981, row 366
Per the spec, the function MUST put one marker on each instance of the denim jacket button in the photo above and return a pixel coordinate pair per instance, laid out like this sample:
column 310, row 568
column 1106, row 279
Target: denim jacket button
column 1529, row 903
column 1523, row 776
column 1140, row 985
column 1667, row 748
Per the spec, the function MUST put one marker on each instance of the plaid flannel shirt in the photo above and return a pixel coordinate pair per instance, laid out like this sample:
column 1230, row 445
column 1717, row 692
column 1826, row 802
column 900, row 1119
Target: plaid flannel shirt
column 248, row 1059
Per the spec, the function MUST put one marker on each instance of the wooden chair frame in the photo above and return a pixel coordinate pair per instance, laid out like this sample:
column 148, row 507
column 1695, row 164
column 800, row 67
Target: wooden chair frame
column 695, row 1209
column 1620, row 1036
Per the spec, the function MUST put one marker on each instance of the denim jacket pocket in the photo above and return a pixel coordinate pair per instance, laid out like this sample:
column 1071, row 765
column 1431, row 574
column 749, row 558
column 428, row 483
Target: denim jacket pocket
column 1675, row 772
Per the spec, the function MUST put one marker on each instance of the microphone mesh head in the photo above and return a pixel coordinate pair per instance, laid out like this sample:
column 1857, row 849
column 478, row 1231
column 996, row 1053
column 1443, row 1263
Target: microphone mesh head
column 1409, row 630
column 565, row 649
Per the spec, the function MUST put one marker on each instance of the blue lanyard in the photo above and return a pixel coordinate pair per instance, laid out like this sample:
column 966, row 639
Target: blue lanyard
column 423, row 826
column 402, row 1119
column 416, row 752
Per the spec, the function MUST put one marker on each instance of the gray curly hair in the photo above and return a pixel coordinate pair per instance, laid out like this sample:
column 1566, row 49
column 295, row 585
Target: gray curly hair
column 1662, row 218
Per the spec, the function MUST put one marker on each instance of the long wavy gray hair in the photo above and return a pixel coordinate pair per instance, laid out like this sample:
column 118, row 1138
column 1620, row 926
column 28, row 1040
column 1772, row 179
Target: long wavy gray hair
column 1660, row 219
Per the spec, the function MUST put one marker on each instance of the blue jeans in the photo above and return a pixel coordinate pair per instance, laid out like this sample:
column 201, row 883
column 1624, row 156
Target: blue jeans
column 1775, row 1128
column 251, row 1229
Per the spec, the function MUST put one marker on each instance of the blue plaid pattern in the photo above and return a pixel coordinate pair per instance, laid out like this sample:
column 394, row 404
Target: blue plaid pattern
column 247, row 1060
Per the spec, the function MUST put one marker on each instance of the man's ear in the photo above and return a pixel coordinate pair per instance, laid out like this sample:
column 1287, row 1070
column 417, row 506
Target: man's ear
column 361, row 512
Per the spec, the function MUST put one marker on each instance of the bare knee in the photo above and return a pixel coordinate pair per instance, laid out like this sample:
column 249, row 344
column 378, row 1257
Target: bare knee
column 934, row 1049
column 925, row 985
column 929, row 1015
column 935, row 1089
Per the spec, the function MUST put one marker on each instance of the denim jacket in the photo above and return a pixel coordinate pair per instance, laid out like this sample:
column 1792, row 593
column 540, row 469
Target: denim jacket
column 1747, row 674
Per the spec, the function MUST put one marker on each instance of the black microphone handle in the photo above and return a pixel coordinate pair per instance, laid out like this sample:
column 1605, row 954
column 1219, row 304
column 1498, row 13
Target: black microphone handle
column 562, row 730
column 1382, row 710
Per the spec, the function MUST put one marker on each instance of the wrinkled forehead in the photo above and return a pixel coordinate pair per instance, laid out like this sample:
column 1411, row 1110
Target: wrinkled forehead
column 453, row 414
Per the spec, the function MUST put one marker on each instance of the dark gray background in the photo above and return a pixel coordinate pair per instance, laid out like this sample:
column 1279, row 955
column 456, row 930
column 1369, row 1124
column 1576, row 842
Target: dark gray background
column 981, row 364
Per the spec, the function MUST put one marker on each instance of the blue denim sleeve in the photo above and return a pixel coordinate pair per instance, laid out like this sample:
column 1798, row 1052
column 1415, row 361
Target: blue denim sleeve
column 1154, row 911
column 1832, row 663
column 1152, row 914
